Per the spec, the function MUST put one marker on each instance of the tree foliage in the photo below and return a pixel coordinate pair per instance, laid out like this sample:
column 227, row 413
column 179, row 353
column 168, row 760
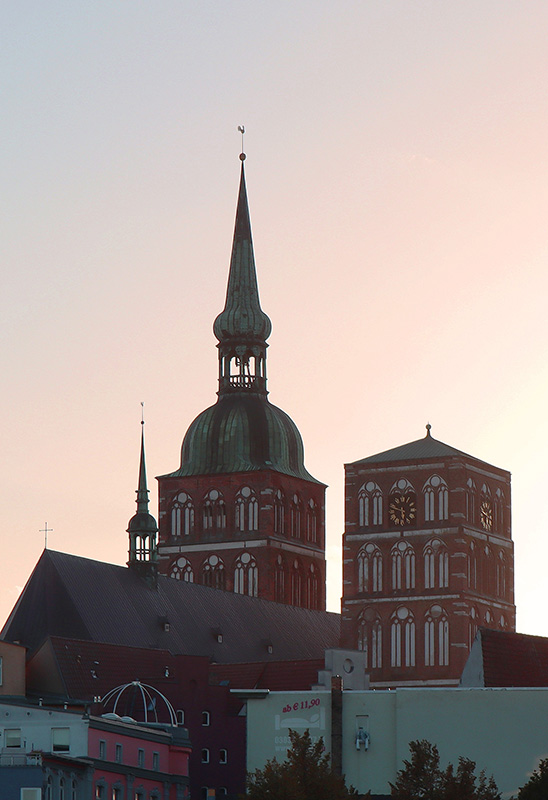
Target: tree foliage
column 305, row 774
column 536, row 787
column 422, row 778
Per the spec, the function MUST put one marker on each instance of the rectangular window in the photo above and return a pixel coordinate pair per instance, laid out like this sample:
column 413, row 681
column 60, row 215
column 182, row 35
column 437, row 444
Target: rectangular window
column 60, row 740
column 31, row 794
column 102, row 750
column 118, row 753
column 156, row 761
column 100, row 792
column 140, row 758
column 223, row 756
column 116, row 793
column 12, row 737
column 180, row 716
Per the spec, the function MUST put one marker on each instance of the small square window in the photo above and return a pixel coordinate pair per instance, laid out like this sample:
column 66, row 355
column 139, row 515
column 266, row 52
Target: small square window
column 118, row 756
column 223, row 756
column 12, row 737
column 156, row 761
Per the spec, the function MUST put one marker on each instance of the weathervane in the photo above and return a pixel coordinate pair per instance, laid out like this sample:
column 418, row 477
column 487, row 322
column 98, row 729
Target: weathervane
column 241, row 128
column 142, row 413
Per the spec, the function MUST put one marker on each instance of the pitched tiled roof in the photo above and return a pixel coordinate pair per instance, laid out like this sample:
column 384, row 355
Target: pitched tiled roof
column 278, row 676
column 428, row 447
column 79, row 598
column 514, row 659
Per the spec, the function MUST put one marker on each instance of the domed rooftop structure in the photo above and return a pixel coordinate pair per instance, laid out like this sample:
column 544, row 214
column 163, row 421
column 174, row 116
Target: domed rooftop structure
column 242, row 432
column 139, row 702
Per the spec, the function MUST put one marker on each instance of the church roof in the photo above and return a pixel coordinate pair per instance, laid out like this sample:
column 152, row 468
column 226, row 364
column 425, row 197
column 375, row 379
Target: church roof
column 428, row 447
column 504, row 659
column 79, row 598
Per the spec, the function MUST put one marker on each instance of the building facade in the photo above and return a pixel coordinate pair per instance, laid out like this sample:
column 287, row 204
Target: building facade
column 242, row 513
column 428, row 559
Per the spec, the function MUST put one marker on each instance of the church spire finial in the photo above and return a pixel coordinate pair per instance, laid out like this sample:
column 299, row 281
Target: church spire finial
column 242, row 328
column 142, row 527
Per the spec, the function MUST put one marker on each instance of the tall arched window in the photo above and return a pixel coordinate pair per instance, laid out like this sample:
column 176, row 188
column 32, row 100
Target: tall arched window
column 471, row 492
column 279, row 580
column 369, row 569
column 181, row 569
column 501, row 575
column 370, row 638
column 436, row 499
column 473, row 624
column 369, row 505
column 436, row 637
column 296, row 584
column 214, row 511
column 312, row 587
column 213, row 572
column 279, row 512
column 473, row 567
column 295, row 516
column 247, row 510
column 436, row 565
column 311, row 522
column 402, row 638
column 403, row 566
column 182, row 515
column 488, row 572
column 246, row 576
column 498, row 511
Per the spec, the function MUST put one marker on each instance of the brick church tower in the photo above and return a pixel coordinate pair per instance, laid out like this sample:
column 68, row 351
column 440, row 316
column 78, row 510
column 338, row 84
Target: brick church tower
column 428, row 559
column 242, row 513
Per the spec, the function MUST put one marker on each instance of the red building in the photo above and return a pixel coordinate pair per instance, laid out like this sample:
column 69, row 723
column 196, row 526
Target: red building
column 242, row 513
column 428, row 559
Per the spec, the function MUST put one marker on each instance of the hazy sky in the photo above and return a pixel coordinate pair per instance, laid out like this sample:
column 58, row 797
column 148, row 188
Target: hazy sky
column 398, row 186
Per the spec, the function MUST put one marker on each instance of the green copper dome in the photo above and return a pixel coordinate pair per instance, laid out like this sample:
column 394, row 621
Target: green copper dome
column 242, row 433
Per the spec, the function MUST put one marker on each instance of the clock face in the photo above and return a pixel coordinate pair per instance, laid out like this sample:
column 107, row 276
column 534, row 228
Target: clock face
column 486, row 515
column 402, row 509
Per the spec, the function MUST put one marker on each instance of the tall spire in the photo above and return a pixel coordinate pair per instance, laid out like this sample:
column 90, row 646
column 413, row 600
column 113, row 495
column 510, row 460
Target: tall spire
column 242, row 328
column 142, row 527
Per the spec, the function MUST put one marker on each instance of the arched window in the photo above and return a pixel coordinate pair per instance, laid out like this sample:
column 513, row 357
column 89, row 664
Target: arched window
column 369, row 505
column 436, row 499
column 279, row 580
column 473, row 624
column 312, row 522
column 246, row 575
column 312, row 587
column 472, row 567
column 369, row 569
column 213, row 572
column 436, row 637
column 247, row 510
column 370, row 638
column 436, row 565
column 501, row 575
column 402, row 638
column 181, row 569
column 403, row 566
column 498, row 511
column 471, row 492
column 488, row 573
column 295, row 516
column 214, row 511
column 182, row 515
column 296, row 584
column 279, row 512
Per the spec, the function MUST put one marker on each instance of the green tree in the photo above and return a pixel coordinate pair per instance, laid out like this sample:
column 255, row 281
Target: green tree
column 305, row 774
column 536, row 787
column 421, row 778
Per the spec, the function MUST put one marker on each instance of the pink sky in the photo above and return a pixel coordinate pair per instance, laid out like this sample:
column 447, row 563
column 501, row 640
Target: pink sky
column 397, row 179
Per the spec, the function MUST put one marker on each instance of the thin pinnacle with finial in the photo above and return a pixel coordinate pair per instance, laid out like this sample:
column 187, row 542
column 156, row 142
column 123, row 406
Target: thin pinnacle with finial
column 241, row 128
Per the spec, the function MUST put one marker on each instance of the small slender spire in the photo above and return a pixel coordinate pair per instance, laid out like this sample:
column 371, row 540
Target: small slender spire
column 242, row 328
column 142, row 491
column 428, row 429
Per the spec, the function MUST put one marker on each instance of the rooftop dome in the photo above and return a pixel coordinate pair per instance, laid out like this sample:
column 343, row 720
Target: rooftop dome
column 242, row 433
column 139, row 702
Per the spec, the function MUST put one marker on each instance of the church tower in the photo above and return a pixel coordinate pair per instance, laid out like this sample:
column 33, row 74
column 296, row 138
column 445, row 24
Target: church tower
column 427, row 559
column 142, row 527
column 242, row 513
